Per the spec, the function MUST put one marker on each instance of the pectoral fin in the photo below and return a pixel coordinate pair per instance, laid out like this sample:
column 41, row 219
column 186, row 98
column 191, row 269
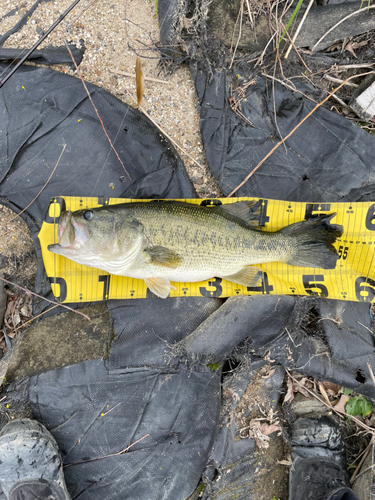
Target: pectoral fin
column 161, row 256
column 248, row 276
column 159, row 286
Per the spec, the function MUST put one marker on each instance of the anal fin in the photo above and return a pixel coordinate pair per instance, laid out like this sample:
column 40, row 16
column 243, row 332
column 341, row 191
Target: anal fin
column 247, row 276
column 159, row 286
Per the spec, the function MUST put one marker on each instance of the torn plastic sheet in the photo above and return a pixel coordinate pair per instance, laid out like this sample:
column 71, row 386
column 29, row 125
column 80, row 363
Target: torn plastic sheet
column 328, row 158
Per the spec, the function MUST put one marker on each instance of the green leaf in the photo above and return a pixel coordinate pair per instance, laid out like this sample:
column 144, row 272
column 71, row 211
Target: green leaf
column 353, row 407
column 295, row 12
column 366, row 406
column 358, row 406
column 347, row 392
column 213, row 366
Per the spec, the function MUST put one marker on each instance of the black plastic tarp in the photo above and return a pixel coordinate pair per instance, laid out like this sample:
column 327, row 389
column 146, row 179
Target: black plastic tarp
column 328, row 158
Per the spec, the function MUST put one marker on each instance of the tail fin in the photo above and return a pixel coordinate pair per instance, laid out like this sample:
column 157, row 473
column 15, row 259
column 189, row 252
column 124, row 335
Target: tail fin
column 314, row 240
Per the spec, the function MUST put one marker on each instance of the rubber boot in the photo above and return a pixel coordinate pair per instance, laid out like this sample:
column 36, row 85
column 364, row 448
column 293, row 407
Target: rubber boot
column 30, row 463
column 318, row 470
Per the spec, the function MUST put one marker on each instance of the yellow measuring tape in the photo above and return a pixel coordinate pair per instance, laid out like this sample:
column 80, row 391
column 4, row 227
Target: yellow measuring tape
column 352, row 279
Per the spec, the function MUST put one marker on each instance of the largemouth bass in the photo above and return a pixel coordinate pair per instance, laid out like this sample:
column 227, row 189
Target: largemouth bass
column 166, row 241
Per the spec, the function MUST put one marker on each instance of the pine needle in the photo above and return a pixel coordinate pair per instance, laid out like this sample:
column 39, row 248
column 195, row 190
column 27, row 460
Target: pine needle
column 139, row 80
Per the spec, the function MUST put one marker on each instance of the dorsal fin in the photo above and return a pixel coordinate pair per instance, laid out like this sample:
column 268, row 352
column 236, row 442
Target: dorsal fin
column 243, row 210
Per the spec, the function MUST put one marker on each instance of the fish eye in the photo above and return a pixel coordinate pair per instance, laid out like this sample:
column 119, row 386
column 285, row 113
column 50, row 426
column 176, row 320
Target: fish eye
column 88, row 215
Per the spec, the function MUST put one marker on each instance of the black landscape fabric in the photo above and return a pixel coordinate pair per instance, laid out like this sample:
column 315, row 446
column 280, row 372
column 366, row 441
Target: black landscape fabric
column 328, row 158
column 169, row 360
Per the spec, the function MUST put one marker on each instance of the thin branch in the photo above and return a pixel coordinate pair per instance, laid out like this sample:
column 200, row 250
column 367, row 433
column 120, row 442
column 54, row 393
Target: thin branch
column 49, row 178
column 169, row 137
column 80, row 15
column 298, row 29
column 298, row 54
column 371, row 373
column 32, row 319
column 340, row 413
column 344, row 67
column 96, row 111
column 341, row 102
column 288, row 86
column 107, row 456
column 292, row 132
column 367, row 450
column 338, row 80
column 337, row 24
column 239, row 35
column 43, row 298
column 131, row 75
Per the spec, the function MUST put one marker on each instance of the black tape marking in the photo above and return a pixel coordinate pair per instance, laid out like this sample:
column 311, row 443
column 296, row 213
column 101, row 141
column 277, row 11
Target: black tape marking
column 370, row 218
column 366, row 286
column 106, row 280
column 264, row 287
column 314, row 208
column 103, row 201
column 216, row 283
column 210, row 203
column 311, row 281
column 343, row 252
column 63, row 288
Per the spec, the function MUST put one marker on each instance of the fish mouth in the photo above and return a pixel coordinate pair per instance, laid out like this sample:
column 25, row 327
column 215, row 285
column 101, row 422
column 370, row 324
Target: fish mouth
column 66, row 230
column 71, row 234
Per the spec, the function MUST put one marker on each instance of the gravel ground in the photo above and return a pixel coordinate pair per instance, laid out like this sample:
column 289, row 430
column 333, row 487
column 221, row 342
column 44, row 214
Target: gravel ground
column 114, row 32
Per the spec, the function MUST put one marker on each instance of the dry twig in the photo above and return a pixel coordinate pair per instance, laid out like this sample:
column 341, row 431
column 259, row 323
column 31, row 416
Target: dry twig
column 96, row 111
column 148, row 78
column 239, row 34
column 337, row 24
column 43, row 298
column 107, row 456
column 47, row 181
column 338, row 80
column 298, row 29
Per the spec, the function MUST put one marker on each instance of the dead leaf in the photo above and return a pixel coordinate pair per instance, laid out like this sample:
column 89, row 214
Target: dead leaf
column 349, row 48
column 299, row 387
column 332, row 389
column 341, row 404
column 266, row 429
column 333, row 47
column 324, row 393
column 357, row 45
column 289, row 396
column 139, row 80
column 271, row 372
column 288, row 462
